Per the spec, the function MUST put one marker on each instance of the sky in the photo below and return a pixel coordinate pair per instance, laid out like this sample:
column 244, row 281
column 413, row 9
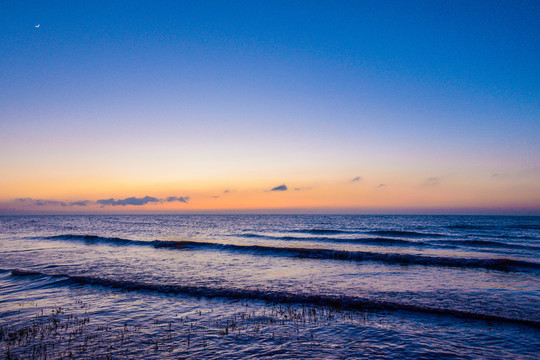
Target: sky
column 270, row 107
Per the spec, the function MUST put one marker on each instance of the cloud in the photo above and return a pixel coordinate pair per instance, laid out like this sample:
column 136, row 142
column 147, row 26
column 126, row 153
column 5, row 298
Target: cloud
column 356, row 179
column 506, row 176
column 279, row 188
column 79, row 203
column 103, row 202
column 40, row 202
column 128, row 201
column 302, row 189
column 432, row 181
column 381, row 185
column 141, row 201
column 183, row 199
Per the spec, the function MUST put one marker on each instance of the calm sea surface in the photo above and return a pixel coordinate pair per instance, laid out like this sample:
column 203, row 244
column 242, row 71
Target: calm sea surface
column 270, row 286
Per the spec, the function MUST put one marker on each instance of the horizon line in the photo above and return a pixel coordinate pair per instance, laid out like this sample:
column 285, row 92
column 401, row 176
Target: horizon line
column 292, row 212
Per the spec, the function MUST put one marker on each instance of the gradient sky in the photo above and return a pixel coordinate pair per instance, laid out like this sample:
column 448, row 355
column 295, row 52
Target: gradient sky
column 354, row 106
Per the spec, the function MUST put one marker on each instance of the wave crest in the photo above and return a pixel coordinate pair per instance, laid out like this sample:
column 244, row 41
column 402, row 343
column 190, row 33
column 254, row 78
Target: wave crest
column 344, row 302
column 502, row 264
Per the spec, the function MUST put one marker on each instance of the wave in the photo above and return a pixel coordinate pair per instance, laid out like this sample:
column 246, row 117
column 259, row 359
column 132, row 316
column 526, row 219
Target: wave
column 492, row 227
column 343, row 302
column 94, row 239
column 381, row 241
column 495, row 232
column 323, row 231
column 404, row 233
column 491, row 243
column 388, row 241
column 526, row 227
column 502, row 264
column 469, row 227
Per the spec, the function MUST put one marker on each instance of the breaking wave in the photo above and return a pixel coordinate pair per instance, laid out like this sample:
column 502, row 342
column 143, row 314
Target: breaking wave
column 323, row 231
column 359, row 240
column 492, row 244
column 400, row 233
column 343, row 302
column 502, row 264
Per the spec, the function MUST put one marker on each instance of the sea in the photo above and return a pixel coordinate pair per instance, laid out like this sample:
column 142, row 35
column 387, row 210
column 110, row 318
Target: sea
column 269, row 286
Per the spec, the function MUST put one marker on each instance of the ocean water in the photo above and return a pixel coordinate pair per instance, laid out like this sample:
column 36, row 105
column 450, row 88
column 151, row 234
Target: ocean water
column 270, row 286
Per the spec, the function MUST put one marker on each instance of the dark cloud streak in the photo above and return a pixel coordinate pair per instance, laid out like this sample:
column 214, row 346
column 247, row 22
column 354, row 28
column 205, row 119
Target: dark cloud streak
column 135, row 201
column 80, row 203
column 432, row 181
column 40, row 202
column 183, row 199
column 128, row 201
column 141, row 201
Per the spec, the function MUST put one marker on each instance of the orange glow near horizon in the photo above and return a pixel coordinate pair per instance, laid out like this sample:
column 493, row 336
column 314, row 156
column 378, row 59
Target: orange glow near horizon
column 390, row 193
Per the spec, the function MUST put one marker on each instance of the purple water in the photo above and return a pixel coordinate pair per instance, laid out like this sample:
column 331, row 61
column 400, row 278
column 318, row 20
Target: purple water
column 271, row 286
